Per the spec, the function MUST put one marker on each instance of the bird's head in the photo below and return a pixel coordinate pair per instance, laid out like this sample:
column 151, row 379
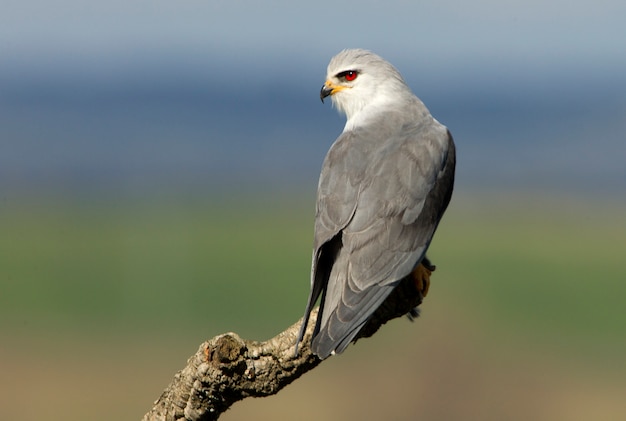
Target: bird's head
column 357, row 78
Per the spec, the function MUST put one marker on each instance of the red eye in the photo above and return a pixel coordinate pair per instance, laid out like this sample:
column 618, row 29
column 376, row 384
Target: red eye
column 350, row 75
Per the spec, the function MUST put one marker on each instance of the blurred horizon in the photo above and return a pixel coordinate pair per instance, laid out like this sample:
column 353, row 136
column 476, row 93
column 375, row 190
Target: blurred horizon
column 563, row 132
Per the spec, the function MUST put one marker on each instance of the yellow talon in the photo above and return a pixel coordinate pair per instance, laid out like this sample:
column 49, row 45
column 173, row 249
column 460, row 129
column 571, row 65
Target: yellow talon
column 421, row 277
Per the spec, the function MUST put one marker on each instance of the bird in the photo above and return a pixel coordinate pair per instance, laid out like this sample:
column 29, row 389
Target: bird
column 383, row 189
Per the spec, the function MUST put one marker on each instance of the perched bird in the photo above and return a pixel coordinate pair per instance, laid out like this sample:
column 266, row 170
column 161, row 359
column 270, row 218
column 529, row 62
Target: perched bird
column 384, row 186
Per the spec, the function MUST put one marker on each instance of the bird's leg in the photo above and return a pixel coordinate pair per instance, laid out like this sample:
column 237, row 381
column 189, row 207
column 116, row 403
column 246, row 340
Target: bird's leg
column 421, row 276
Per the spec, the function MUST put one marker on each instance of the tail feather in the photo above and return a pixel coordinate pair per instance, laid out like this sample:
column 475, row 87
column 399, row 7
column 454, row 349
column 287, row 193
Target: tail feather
column 340, row 325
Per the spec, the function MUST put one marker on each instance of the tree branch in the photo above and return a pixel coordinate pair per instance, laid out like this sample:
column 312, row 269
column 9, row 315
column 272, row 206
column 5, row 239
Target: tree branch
column 227, row 368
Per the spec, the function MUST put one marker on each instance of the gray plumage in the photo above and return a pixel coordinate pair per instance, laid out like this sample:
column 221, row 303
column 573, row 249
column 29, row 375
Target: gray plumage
column 384, row 186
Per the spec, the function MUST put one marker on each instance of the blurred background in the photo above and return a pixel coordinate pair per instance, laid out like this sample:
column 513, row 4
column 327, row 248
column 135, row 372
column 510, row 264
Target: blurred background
column 158, row 167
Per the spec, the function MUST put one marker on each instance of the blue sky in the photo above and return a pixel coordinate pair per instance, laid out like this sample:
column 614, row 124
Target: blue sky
column 532, row 90
column 438, row 30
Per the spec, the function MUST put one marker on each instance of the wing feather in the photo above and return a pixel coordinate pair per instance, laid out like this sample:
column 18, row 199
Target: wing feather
column 380, row 198
column 386, row 209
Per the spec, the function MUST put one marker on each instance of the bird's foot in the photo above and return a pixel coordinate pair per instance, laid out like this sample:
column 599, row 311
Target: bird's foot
column 421, row 276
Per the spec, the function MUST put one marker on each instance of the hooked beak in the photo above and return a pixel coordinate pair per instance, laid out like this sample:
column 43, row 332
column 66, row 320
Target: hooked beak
column 326, row 91
column 330, row 88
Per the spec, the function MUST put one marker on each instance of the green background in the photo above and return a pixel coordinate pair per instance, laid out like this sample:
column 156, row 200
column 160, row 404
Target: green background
column 102, row 301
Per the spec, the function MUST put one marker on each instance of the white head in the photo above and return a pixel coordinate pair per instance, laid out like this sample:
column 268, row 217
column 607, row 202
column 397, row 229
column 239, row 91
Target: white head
column 357, row 79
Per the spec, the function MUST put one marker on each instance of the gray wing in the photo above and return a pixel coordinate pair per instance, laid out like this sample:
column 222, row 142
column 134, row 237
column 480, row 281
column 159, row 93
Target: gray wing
column 379, row 203
column 342, row 173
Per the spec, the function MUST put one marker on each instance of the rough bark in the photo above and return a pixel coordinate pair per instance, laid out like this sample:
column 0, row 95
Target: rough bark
column 227, row 368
